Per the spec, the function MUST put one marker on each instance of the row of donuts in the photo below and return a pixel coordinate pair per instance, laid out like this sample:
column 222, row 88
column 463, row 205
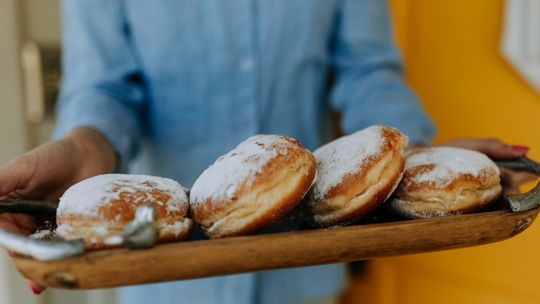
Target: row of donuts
column 265, row 177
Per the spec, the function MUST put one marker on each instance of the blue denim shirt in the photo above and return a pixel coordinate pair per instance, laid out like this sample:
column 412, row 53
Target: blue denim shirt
column 173, row 84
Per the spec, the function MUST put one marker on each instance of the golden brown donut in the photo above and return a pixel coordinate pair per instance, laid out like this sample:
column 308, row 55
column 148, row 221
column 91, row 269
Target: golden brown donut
column 356, row 173
column 252, row 186
column 443, row 181
column 98, row 209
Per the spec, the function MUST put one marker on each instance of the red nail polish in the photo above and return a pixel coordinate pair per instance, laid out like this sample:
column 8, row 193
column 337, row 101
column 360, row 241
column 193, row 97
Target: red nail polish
column 11, row 254
column 29, row 285
column 34, row 288
column 521, row 149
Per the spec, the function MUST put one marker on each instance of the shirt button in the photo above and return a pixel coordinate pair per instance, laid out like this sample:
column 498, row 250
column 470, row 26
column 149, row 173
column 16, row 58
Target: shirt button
column 247, row 64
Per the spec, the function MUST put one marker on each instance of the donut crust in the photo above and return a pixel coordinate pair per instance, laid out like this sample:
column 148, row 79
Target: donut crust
column 115, row 205
column 464, row 193
column 269, row 195
column 365, row 188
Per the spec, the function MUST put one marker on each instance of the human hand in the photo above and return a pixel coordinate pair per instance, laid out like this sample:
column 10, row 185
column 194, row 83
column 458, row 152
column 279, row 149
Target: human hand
column 47, row 171
column 496, row 149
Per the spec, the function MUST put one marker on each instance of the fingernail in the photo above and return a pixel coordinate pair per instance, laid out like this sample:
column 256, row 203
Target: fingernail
column 520, row 149
column 34, row 287
column 11, row 254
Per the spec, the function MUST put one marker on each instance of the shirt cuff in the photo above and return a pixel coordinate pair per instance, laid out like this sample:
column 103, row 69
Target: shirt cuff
column 113, row 119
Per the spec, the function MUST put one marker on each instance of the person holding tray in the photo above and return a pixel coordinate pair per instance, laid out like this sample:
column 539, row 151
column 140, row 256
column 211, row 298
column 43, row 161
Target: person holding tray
column 164, row 87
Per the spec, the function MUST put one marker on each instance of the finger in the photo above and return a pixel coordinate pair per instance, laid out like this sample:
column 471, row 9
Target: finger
column 523, row 177
column 492, row 147
column 515, row 178
column 14, row 173
column 26, row 223
column 512, row 180
column 8, row 182
column 18, row 223
column 11, row 253
column 521, row 149
column 8, row 223
column 511, row 191
column 35, row 288
column 506, row 182
column 499, row 150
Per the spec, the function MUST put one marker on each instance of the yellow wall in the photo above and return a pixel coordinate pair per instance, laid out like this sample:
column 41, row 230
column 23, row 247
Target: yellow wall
column 451, row 52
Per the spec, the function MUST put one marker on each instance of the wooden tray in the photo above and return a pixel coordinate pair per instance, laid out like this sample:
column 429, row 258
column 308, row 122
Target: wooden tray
column 205, row 258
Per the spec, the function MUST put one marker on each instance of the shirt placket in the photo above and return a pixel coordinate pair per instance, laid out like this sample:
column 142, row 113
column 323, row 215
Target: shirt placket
column 247, row 63
column 242, row 288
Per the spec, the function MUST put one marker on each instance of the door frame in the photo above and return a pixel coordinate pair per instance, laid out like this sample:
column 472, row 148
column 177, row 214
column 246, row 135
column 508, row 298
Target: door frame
column 13, row 131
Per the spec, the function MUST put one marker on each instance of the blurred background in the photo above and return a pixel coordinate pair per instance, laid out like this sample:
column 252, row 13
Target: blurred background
column 476, row 66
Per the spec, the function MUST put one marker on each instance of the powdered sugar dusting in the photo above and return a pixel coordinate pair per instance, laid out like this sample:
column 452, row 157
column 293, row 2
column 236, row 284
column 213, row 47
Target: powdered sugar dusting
column 42, row 234
column 222, row 179
column 176, row 228
column 87, row 196
column 113, row 240
column 448, row 163
column 345, row 155
column 64, row 230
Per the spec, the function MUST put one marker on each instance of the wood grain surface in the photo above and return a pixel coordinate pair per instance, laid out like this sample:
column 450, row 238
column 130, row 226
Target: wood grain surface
column 205, row 258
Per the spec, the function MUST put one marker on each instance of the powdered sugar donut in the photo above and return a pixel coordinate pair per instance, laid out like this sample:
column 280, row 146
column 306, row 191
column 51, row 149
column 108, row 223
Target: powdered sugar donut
column 442, row 181
column 252, row 186
column 357, row 173
column 97, row 209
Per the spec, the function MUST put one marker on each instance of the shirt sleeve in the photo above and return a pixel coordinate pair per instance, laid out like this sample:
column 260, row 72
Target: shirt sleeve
column 369, row 87
column 101, row 85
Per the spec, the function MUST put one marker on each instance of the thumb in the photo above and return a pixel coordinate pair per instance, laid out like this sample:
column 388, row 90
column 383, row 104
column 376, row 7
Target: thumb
column 13, row 174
